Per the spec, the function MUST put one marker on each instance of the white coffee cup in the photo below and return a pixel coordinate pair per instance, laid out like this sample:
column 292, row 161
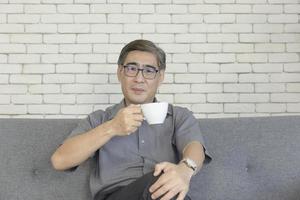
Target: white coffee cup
column 155, row 113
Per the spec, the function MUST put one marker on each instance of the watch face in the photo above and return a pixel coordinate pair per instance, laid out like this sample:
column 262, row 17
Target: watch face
column 191, row 163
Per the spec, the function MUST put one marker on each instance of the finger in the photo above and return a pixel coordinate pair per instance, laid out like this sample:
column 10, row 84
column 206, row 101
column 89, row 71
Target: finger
column 159, row 168
column 168, row 191
column 138, row 117
column 181, row 195
column 161, row 181
column 170, row 194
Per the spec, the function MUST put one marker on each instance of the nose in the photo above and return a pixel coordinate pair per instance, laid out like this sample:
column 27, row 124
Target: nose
column 139, row 77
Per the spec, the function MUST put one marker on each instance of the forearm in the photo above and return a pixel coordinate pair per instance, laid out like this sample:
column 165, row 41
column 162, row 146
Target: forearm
column 195, row 151
column 77, row 149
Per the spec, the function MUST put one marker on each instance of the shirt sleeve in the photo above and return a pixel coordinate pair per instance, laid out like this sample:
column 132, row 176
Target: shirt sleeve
column 187, row 129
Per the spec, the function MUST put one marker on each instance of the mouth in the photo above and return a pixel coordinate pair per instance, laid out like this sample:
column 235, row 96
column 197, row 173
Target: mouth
column 137, row 90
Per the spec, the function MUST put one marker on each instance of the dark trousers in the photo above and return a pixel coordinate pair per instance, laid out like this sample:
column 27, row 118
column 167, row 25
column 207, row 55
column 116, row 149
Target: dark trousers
column 137, row 190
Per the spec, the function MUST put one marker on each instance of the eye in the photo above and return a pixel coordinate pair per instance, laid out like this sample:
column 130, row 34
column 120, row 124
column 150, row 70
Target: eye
column 132, row 68
column 149, row 70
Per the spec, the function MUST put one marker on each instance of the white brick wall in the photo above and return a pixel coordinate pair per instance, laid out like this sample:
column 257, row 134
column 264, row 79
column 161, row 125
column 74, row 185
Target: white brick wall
column 225, row 58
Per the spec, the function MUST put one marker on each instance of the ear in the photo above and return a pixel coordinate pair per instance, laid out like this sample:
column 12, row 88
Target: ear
column 161, row 76
column 119, row 71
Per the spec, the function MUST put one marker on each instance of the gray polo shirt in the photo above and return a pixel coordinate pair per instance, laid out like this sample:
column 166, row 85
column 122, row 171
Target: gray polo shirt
column 123, row 159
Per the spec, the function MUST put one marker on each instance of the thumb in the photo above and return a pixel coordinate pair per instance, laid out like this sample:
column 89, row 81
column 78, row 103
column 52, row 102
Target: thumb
column 159, row 168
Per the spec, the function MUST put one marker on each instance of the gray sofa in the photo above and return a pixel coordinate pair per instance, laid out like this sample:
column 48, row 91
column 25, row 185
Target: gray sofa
column 253, row 159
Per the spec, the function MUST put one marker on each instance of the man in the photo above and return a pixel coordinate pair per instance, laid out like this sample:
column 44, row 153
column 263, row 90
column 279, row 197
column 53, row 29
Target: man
column 135, row 160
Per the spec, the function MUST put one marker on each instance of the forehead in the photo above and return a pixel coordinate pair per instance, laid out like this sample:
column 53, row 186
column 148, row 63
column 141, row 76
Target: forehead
column 141, row 57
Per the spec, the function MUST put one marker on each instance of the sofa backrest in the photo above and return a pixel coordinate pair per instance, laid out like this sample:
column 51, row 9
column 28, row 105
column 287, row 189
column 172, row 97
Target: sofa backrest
column 253, row 158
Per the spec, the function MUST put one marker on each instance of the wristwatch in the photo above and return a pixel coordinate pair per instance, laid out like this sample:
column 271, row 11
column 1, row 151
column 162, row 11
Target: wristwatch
column 190, row 163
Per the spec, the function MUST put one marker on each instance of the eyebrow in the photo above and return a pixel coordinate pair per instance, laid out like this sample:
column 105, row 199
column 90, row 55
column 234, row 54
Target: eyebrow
column 137, row 64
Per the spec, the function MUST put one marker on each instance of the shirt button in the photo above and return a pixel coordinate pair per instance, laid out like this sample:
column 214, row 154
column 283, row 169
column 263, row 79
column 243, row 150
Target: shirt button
column 143, row 141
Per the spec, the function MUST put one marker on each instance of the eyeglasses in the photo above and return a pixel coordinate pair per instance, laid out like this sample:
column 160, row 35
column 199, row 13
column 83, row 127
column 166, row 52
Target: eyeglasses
column 132, row 70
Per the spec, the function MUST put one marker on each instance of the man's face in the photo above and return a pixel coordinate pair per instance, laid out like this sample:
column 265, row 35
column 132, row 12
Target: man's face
column 138, row 90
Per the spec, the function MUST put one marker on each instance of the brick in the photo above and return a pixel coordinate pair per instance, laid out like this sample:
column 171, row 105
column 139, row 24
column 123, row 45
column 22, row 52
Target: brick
column 160, row 38
column 292, row 8
column 13, row 109
column 138, row 8
column 92, row 99
column 26, row 79
column 23, row 18
column 57, row 18
column 164, row 97
column 41, row 9
column 190, row 78
column 270, row 107
column 207, row 108
column 240, row 108
column 236, row 28
column 269, row 47
column 268, row 28
column 267, row 8
column 75, row 48
column 207, row 47
column 293, row 107
column 155, row 18
column 222, row 78
column 283, row 18
column 106, row 8
column 44, row 89
column 71, row 68
column 123, row 1
column 113, row 78
column 254, row 38
column 293, row 87
column 253, row 78
column 4, row 99
column 139, row 28
column 187, row 1
column 4, row 79
column 187, row 58
column 285, row 97
column 122, row 18
column 91, row 78
column 240, row 88
column 205, row 28
column 26, row 99
column 190, row 38
column 238, row 48
column 57, row 58
column 43, row 109
column 235, row 68
column 283, row 1
column 12, row 48
column 108, row 88
column 269, row 87
column 56, row 1
column 92, row 38
column 106, row 28
column 171, row 9
column 237, row 8
column 59, row 99
column 42, row 48
column 26, row 38
column 10, row 8
column 90, row 18
column 3, row 18
column 251, row 18
column 267, row 68
column 4, row 38
column 223, row 38
column 41, row 28
column 58, row 78
column 285, row 38
column 219, row 1
column 59, row 38
column 203, row 67
column 204, row 9
column 190, row 98
column 156, row 1
column 295, row 47
column 219, row 18
column 90, row 58
column 76, row 109
column 174, row 88
column 253, row 98
column 207, row 88
column 10, row 68
column 219, row 58
column 13, row 89
column 73, row 8
column 218, row 98
column 77, row 88
column 123, row 38
column 25, row 1
column 187, row 18
column 38, row 69
column 73, row 28
column 291, row 67
column 176, row 68
column 117, row 98
column 171, row 28
column 175, row 48
column 283, row 57
column 11, row 28
column 252, row 57
column 3, row 58
column 292, row 28
column 23, row 58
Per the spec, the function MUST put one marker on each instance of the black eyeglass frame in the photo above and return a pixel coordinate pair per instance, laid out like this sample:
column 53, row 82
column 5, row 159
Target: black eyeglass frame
column 140, row 69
